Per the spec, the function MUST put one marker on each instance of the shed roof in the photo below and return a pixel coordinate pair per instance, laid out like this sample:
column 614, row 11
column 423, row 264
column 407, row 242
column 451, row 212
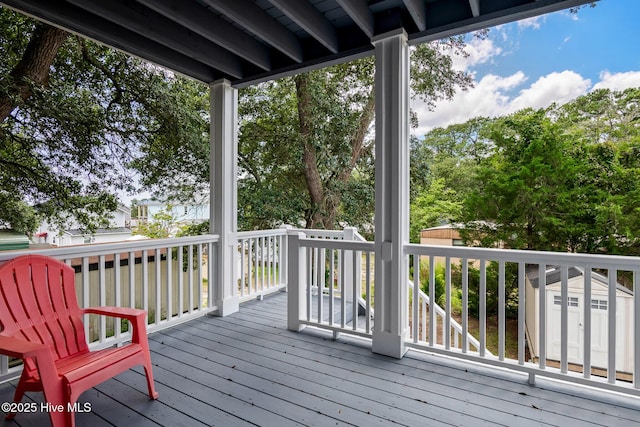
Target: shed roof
column 553, row 276
column 248, row 41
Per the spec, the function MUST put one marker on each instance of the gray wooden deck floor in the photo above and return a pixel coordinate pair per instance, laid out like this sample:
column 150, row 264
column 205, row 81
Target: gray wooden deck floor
column 247, row 369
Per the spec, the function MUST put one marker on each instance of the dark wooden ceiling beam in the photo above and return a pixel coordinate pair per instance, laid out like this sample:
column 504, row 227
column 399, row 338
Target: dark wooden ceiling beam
column 359, row 11
column 311, row 20
column 260, row 46
column 418, row 11
column 166, row 32
column 200, row 20
column 255, row 20
column 501, row 15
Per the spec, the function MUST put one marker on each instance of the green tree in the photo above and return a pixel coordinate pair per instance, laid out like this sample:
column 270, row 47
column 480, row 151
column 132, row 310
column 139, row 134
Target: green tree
column 564, row 178
column 161, row 225
column 605, row 191
column 73, row 117
column 518, row 199
column 306, row 148
column 443, row 170
column 434, row 206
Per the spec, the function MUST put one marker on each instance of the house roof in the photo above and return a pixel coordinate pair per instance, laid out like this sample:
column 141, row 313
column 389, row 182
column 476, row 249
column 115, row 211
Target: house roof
column 11, row 240
column 115, row 230
column 248, row 41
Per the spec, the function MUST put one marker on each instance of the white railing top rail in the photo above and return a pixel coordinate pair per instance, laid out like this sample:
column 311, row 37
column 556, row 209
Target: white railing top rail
column 346, row 245
column 111, row 248
column 321, row 234
column 529, row 257
column 262, row 233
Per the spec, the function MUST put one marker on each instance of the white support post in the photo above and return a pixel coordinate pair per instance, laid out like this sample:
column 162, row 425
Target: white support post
column 392, row 192
column 224, row 198
column 297, row 287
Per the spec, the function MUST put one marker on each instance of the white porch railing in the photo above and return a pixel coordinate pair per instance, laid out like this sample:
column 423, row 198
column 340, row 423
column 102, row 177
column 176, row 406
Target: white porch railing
column 562, row 318
column 329, row 275
column 329, row 271
column 331, row 281
column 262, row 262
column 350, row 270
column 166, row 277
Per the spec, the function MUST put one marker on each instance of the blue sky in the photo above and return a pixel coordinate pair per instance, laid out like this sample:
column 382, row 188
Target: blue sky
column 551, row 58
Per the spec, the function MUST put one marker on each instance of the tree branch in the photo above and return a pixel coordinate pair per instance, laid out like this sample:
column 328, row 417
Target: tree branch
column 33, row 69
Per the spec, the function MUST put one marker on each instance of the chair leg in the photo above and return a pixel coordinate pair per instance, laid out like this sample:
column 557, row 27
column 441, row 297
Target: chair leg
column 17, row 397
column 140, row 337
column 150, row 384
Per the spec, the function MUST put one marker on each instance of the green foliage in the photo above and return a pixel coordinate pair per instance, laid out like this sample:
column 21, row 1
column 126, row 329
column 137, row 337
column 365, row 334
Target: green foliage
column 444, row 168
column 562, row 178
column 162, row 225
column 517, row 185
column 194, row 229
column 436, row 205
column 16, row 214
column 70, row 146
column 305, row 146
column 440, row 286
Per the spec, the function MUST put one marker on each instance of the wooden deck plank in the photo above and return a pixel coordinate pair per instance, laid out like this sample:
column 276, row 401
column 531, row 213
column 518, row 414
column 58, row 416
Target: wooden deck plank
column 291, row 403
column 351, row 407
column 485, row 377
column 248, row 369
column 443, row 395
column 190, row 400
column 137, row 400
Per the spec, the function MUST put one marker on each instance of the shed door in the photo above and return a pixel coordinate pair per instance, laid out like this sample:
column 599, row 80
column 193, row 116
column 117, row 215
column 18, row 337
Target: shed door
column 575, row 329
column 599, row 332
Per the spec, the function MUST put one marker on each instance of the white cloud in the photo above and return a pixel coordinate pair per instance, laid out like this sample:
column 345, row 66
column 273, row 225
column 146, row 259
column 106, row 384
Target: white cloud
column 480, row 51
column 533, row 23
column 490, row 98
column 618, row 81
column 487, row 98
column 555, row 87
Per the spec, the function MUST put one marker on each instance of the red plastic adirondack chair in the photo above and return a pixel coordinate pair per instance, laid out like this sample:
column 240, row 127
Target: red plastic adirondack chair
column 41, row 324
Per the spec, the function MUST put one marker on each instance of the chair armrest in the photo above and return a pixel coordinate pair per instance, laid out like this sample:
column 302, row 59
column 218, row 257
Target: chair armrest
column 15, row 347
column 120, row 312
column 136, row 316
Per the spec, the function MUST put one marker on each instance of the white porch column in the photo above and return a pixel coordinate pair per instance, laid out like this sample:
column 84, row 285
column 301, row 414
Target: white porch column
column 392, row 192
column 224, row 192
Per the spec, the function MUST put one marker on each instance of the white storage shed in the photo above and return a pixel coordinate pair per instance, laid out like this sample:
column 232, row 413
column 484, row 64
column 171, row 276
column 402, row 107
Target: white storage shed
column 599, row 306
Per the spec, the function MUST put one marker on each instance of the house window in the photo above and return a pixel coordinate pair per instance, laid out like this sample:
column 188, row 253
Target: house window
column 571, row 301
column 599, row 304
column 458, row 242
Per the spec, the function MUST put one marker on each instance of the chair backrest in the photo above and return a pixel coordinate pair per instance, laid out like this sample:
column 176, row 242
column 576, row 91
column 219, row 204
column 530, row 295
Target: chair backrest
column 38, row 303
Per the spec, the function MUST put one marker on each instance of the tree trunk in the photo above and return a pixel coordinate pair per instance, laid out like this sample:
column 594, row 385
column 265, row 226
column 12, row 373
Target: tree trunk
column 324, row 201
column 33, row 69
column 309, row 155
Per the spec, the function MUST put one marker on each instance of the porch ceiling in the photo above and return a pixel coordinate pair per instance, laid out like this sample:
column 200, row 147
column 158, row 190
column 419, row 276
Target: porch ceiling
column 248, row 41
